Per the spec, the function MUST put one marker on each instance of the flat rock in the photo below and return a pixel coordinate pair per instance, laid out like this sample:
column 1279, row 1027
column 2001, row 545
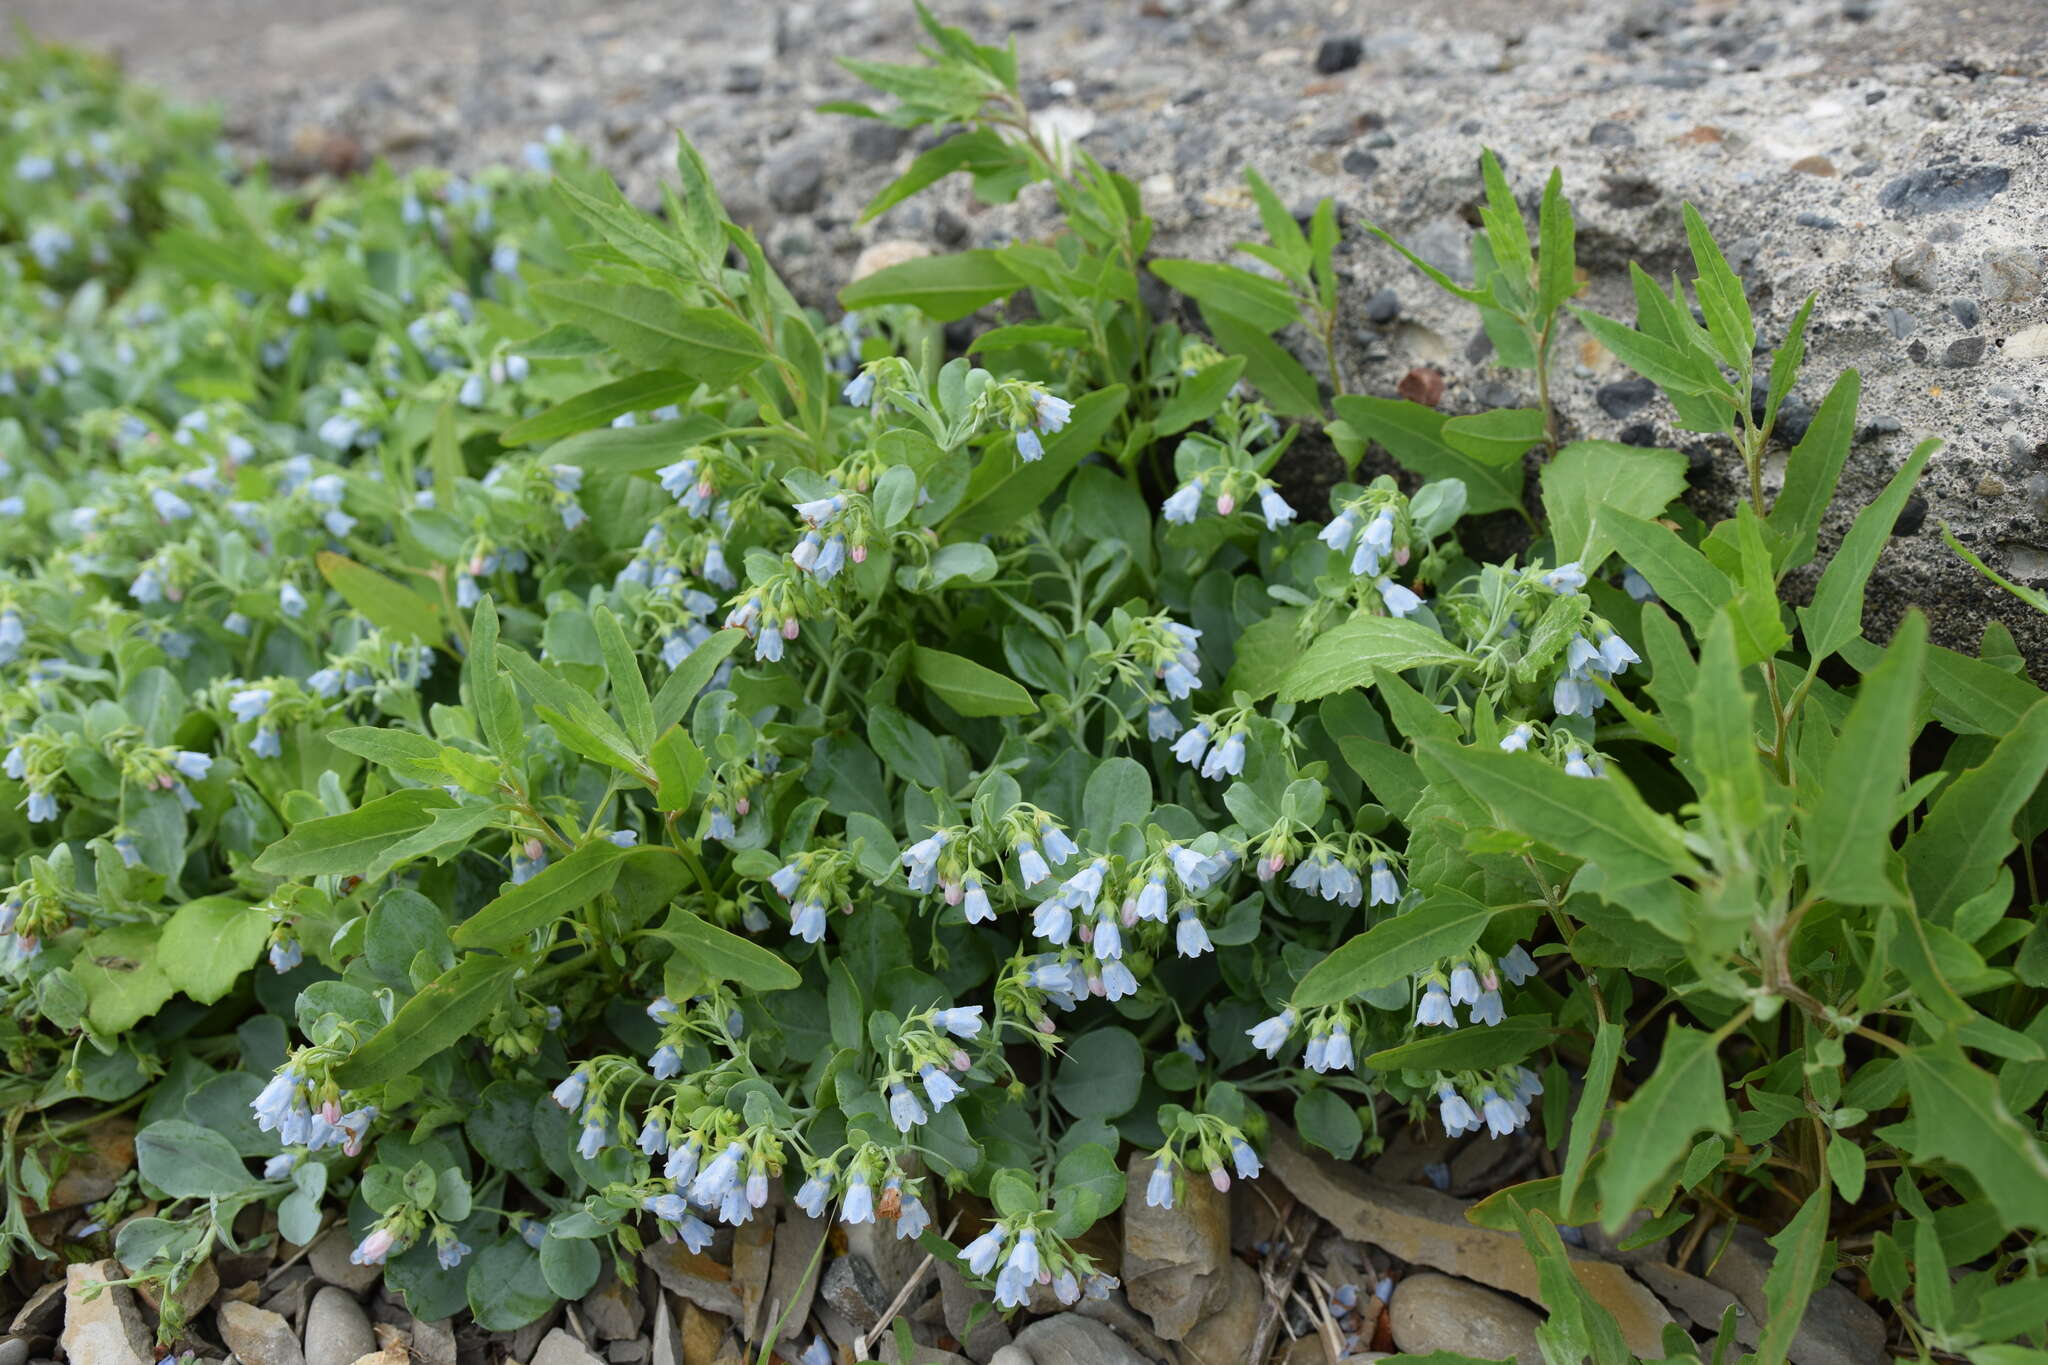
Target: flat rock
column 702, row 1334
column 1173, row 1270
column 852, row 1289
column 434, row 1342
column 753, row 1252
column 1838, row 1328
column 337, row 1329
column 40, row 1316
column 14, row 1351
column 259, row 1336
column 1426, row 1228
column 613, row 1311
column 699, row 1279
column 91, row 1171
column 667, row 1343
column 988, row 1333
column 331, row 1265
column 1067, row 1339
column 1226, row 1333
column 106, row 1328
column 1701, row 1300
column 1442, row 1313
column 559, row 1348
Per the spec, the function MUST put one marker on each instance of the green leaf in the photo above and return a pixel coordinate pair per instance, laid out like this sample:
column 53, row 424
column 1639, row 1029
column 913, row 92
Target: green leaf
column 1100, row 1075
column 1847, row 836
column 1253, row 299
column 1684, row 579
column 344, row 844
column 596, row 407
column 1324, row 1118
column 943, row 287
column 727, row 957
column 1608, row 1044
column 1348, row 655
column 208, row 943
column 123, row 983
column 967, row 687
column 572, row 713
column 1448, row 922
column 1720, row 293
column 1028, row 334
column 1557, row 248
column 1413, row 435
column 672, row 702
column 1119, row 793
column 998, row 496
column 1811, row 472
column 1794, row 1271
column 389, row 604
column 1288, row 389
column 636, row 449
column 1087, row 1182
column 447, row 1010
column 977, row 151
column 556, row 890
column 1198, row 397
column 651, row 329
column 1968, row 832
column 1601, row 820
column 186, row 1161
column 1588, row 481
column 629, row 689
column 1836, row 615
column 1684, row 1097
column 1468, row 1049
column 570, row 1265
column 679, row 765
column 506, row 1286
column 1497, row 437
column 1662, row 364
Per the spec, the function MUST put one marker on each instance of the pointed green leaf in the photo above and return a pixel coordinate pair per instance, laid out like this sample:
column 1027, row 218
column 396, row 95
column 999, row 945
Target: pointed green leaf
column 1847, row 834
column 556, row 890
column 1601, row 820
column 1968, row 831
column 389, row 604
column 1684, row 1097
column 943, row 287
column 969, row 688
column 1346, row 656
column 1837, row 611
column 653, row 330
column 446, row 1011
column 1447, row 923
column 1812, row 470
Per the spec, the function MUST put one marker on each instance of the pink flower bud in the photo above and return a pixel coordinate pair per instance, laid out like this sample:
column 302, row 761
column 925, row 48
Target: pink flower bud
column 1086, row 933
column 1401, row 555
column 961, row 1061
column 743, row 805
column 860, row 554
column 789, row 628
column 534, row 849
column 1225, row 504
column 1220, row 1178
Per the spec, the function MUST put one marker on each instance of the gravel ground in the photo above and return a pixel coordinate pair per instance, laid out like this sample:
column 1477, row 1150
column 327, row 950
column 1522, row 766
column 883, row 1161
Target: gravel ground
column 1891, row 154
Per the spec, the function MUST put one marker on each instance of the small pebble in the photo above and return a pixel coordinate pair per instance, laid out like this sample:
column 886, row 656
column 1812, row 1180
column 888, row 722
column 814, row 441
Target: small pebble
column 1610, row 134
column 1965, row 311
column 1383, row 307
column 1339, row 54
column 1963, row 352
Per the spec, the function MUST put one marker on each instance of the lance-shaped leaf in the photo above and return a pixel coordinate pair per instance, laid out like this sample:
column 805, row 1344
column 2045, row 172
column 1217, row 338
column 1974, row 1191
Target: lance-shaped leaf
column 1347, row 656
column 1684, row 1097
column 1449, row 922
column 389, row 604
column 556, row 890
column 346, row 843
column 1847, row 830
column 446, row 1011
column 1958, row 1115
column 653, row 330
column 1601, row 820
column 1837, row 611
column 1968, row 831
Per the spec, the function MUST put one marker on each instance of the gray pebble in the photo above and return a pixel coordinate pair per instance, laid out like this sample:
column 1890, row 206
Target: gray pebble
column 1383, row 307
column 795, row 180
column 1965, row 311
column 1963, row 353
column 1610, row 134
column 1944, row 189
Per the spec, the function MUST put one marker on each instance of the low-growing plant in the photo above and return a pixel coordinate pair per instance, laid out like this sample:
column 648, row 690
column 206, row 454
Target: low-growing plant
column 515, row 724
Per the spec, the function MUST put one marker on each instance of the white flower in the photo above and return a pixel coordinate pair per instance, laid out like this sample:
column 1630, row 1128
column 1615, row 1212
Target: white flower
column 904, row 1110
column 1565, row 578
column 1185, row 502
column 1516, row 965
column 1190, row 939
column 1270, row 1035
column 1159, row 1188
column 1517, row 740
column 1274, row 508
column 1455, row 1111
column 1399, row 600
column 1435, row 1008
column 1338, row 533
